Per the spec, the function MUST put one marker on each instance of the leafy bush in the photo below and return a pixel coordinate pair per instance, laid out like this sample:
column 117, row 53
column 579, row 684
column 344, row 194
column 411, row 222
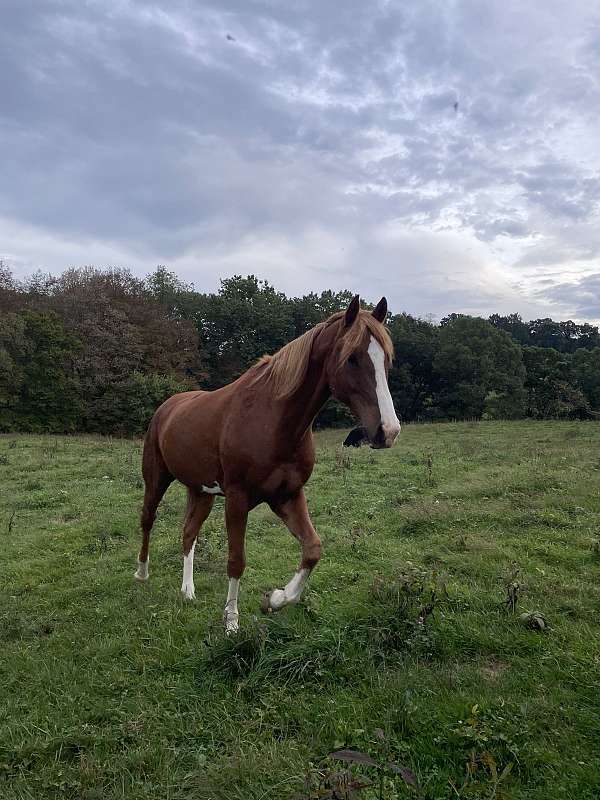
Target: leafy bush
column 127, row 407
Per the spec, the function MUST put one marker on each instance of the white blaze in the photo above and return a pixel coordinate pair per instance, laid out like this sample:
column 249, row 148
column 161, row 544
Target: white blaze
column 187, row 585
column 389, row 420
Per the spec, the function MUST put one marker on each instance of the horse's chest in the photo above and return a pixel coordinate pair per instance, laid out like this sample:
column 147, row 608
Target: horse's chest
column 287, row 479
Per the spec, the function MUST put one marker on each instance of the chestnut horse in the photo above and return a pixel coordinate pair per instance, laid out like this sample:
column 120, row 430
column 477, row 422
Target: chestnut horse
column 252, row 441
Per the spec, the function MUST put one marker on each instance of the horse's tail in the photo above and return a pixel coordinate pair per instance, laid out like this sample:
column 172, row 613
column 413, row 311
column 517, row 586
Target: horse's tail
column 157, row 480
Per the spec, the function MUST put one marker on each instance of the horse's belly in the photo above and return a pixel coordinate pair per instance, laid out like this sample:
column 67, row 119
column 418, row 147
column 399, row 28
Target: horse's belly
column 189, row 446
column 200, row 470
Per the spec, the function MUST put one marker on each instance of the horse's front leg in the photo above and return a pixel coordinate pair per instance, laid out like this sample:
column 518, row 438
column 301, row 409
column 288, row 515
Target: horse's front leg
column 294, row 513
column 236, row 518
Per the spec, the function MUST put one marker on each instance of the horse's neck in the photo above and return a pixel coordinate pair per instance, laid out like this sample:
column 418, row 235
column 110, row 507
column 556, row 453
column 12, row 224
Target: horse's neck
column 304, row 405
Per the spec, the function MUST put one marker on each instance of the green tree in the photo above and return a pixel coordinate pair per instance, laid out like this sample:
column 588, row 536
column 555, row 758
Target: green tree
column 179, row 299
column 11, row 291
column 550, row 385
column 478, row 370
column 586, row 371
column 245, row 320
column 312, row 308
column 122, row 330
column 566, row 337
column 411, row 375
column 13, row 351
column 514, row 325
column 42, row 394
column 126, row 407
column 140, row 340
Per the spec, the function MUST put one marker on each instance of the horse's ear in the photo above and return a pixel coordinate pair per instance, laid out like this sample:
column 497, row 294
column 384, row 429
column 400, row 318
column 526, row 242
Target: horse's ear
column 352, row 311
column 380, row 310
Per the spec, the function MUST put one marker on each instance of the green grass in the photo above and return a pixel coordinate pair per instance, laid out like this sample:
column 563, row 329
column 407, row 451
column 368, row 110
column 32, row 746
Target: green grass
column 110, row 688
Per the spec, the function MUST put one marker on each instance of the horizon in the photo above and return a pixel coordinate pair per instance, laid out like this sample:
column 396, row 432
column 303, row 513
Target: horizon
column 427, row 317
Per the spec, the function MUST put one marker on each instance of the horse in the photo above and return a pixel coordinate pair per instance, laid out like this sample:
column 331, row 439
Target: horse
column 251, row 441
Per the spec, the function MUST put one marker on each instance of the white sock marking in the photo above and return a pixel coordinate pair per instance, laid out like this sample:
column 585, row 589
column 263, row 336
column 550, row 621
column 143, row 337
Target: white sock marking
column 216, row 489
column 292, row 592
column 187, row 585
column 231, row 615
column 141, row 574
column 389, row 420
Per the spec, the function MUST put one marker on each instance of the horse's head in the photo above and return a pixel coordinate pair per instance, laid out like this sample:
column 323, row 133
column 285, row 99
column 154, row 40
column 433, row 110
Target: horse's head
column 357, row 371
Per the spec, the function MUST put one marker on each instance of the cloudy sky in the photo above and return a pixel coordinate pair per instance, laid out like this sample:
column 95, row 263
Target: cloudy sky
column 444, row 153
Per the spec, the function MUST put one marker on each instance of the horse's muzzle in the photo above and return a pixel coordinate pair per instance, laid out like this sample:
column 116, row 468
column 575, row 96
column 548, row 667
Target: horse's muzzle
column 384, row 437
column 378, row 441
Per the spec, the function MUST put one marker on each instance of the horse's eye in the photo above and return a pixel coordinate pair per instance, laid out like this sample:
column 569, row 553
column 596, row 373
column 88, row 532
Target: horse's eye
column 353, row 361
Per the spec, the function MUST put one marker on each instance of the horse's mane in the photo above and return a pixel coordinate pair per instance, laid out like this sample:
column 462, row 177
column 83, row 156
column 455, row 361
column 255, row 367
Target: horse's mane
column 286, row 369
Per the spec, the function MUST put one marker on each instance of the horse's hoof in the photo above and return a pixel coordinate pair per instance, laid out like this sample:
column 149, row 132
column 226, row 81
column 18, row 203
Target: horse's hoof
column 273, row 601
column 232, row 625
column 141, row 573
column 265, row 603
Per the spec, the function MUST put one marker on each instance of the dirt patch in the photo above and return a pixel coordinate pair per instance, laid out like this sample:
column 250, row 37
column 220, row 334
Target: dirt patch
column 493, row 669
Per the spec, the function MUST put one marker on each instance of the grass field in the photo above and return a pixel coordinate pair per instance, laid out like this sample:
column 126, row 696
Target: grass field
column 114, row 689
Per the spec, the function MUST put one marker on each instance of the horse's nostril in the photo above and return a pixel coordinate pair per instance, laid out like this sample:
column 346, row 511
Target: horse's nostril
column 379, row 438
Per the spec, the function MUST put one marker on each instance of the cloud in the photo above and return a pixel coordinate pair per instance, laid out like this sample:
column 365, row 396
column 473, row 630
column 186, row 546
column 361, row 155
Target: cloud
column 583, row 295
column 314, row 147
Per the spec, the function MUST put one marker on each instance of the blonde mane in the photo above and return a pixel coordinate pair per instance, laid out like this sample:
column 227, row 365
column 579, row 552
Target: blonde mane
column 286, row 369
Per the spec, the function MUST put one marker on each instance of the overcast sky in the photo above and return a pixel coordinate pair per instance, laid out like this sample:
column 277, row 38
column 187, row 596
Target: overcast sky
column 446, row 154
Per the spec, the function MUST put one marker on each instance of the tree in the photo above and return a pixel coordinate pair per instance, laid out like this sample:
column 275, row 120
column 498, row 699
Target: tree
column 13, row 349
column 179, row 299
column 411, row 377
column 43, row 394
column 585, row 365
column 312, row 308
column 120, row 345
column 245, row 320
column 122, row 331
column 514, row 325
column 126, row 407
column 566, row 337
column 476, row 364
column 551, row 392
column 10, row 289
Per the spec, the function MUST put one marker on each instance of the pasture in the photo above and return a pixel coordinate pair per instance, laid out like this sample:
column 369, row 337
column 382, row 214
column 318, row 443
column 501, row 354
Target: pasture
column 408, row 646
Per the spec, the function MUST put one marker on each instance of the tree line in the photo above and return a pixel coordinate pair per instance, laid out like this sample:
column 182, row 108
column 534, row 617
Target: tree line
column 98, row 350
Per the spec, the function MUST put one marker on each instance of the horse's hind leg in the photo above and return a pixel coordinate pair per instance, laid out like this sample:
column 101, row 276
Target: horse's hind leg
column 157, row 479
column 198, row 508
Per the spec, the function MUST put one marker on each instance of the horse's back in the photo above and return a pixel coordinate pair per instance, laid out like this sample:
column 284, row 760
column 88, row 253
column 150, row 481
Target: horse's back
column 178, row 400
